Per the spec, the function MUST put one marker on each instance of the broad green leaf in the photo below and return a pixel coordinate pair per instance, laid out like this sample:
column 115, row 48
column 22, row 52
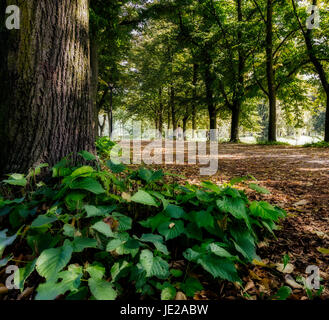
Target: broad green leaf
column 258, row 188
column 245, row 244
column 235, row 206
column 125, row 223
column 85, row 171
column 204, row 219
column 219, row 268
column 219, row 251
column 87, row 155
column 93, row 211
column 118, row 269
column 145, row 174
column 193, row 231
column 171, row 230
column 42, row 220
column 5, row 241
column 24, row 273
column 79, row 244
column 174, row 211
column 51, row 261
column 191, row 254
column 68, row 230
column 70, row 281
column 191, row 286
column 16, row 179
column 176, row 273
column 96, row 270
column 154, row 222
column 264, row 210
column 89, row 184
column 157, row 240
column 115, row 167
column 4, row 261
column 114, row 244
column 283, row 293
column 74, row 200
column 103, row 228
column 144, row 198
column 101, row 289
column 154, row 266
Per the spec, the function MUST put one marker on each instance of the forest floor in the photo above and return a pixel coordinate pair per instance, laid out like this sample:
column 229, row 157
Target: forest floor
column 298, row 179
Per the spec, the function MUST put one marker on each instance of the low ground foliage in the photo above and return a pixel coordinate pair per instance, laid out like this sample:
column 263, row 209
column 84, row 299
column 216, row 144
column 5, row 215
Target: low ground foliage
column 105, row 231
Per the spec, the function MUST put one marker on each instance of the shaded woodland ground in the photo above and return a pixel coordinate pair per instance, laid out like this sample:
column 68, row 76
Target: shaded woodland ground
column 298, row 180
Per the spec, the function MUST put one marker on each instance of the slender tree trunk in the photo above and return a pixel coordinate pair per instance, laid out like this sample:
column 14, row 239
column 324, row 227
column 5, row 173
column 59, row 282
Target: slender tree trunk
column 194, row 97
column 48, row 88
column 94, row 78
column 172, row 107
column 270, row 72
column 326, row 128
column 160, row 128
column 110, row 113
column 209, row 79
column 320, row 70
column 236, row 108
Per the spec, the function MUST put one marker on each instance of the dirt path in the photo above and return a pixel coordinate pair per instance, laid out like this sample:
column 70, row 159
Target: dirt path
column 298, row 179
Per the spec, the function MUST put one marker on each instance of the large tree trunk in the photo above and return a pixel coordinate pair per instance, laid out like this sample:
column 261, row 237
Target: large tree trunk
column 45, row 106
column 94, row 77
column 270, row 72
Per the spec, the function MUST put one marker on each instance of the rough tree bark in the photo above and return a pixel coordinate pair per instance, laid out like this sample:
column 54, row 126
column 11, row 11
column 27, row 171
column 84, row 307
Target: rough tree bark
column 45, row 106
column 94, row 77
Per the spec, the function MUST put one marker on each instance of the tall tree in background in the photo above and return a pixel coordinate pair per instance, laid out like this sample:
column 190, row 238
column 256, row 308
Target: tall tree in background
column 314, row 52
column 45, row 106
